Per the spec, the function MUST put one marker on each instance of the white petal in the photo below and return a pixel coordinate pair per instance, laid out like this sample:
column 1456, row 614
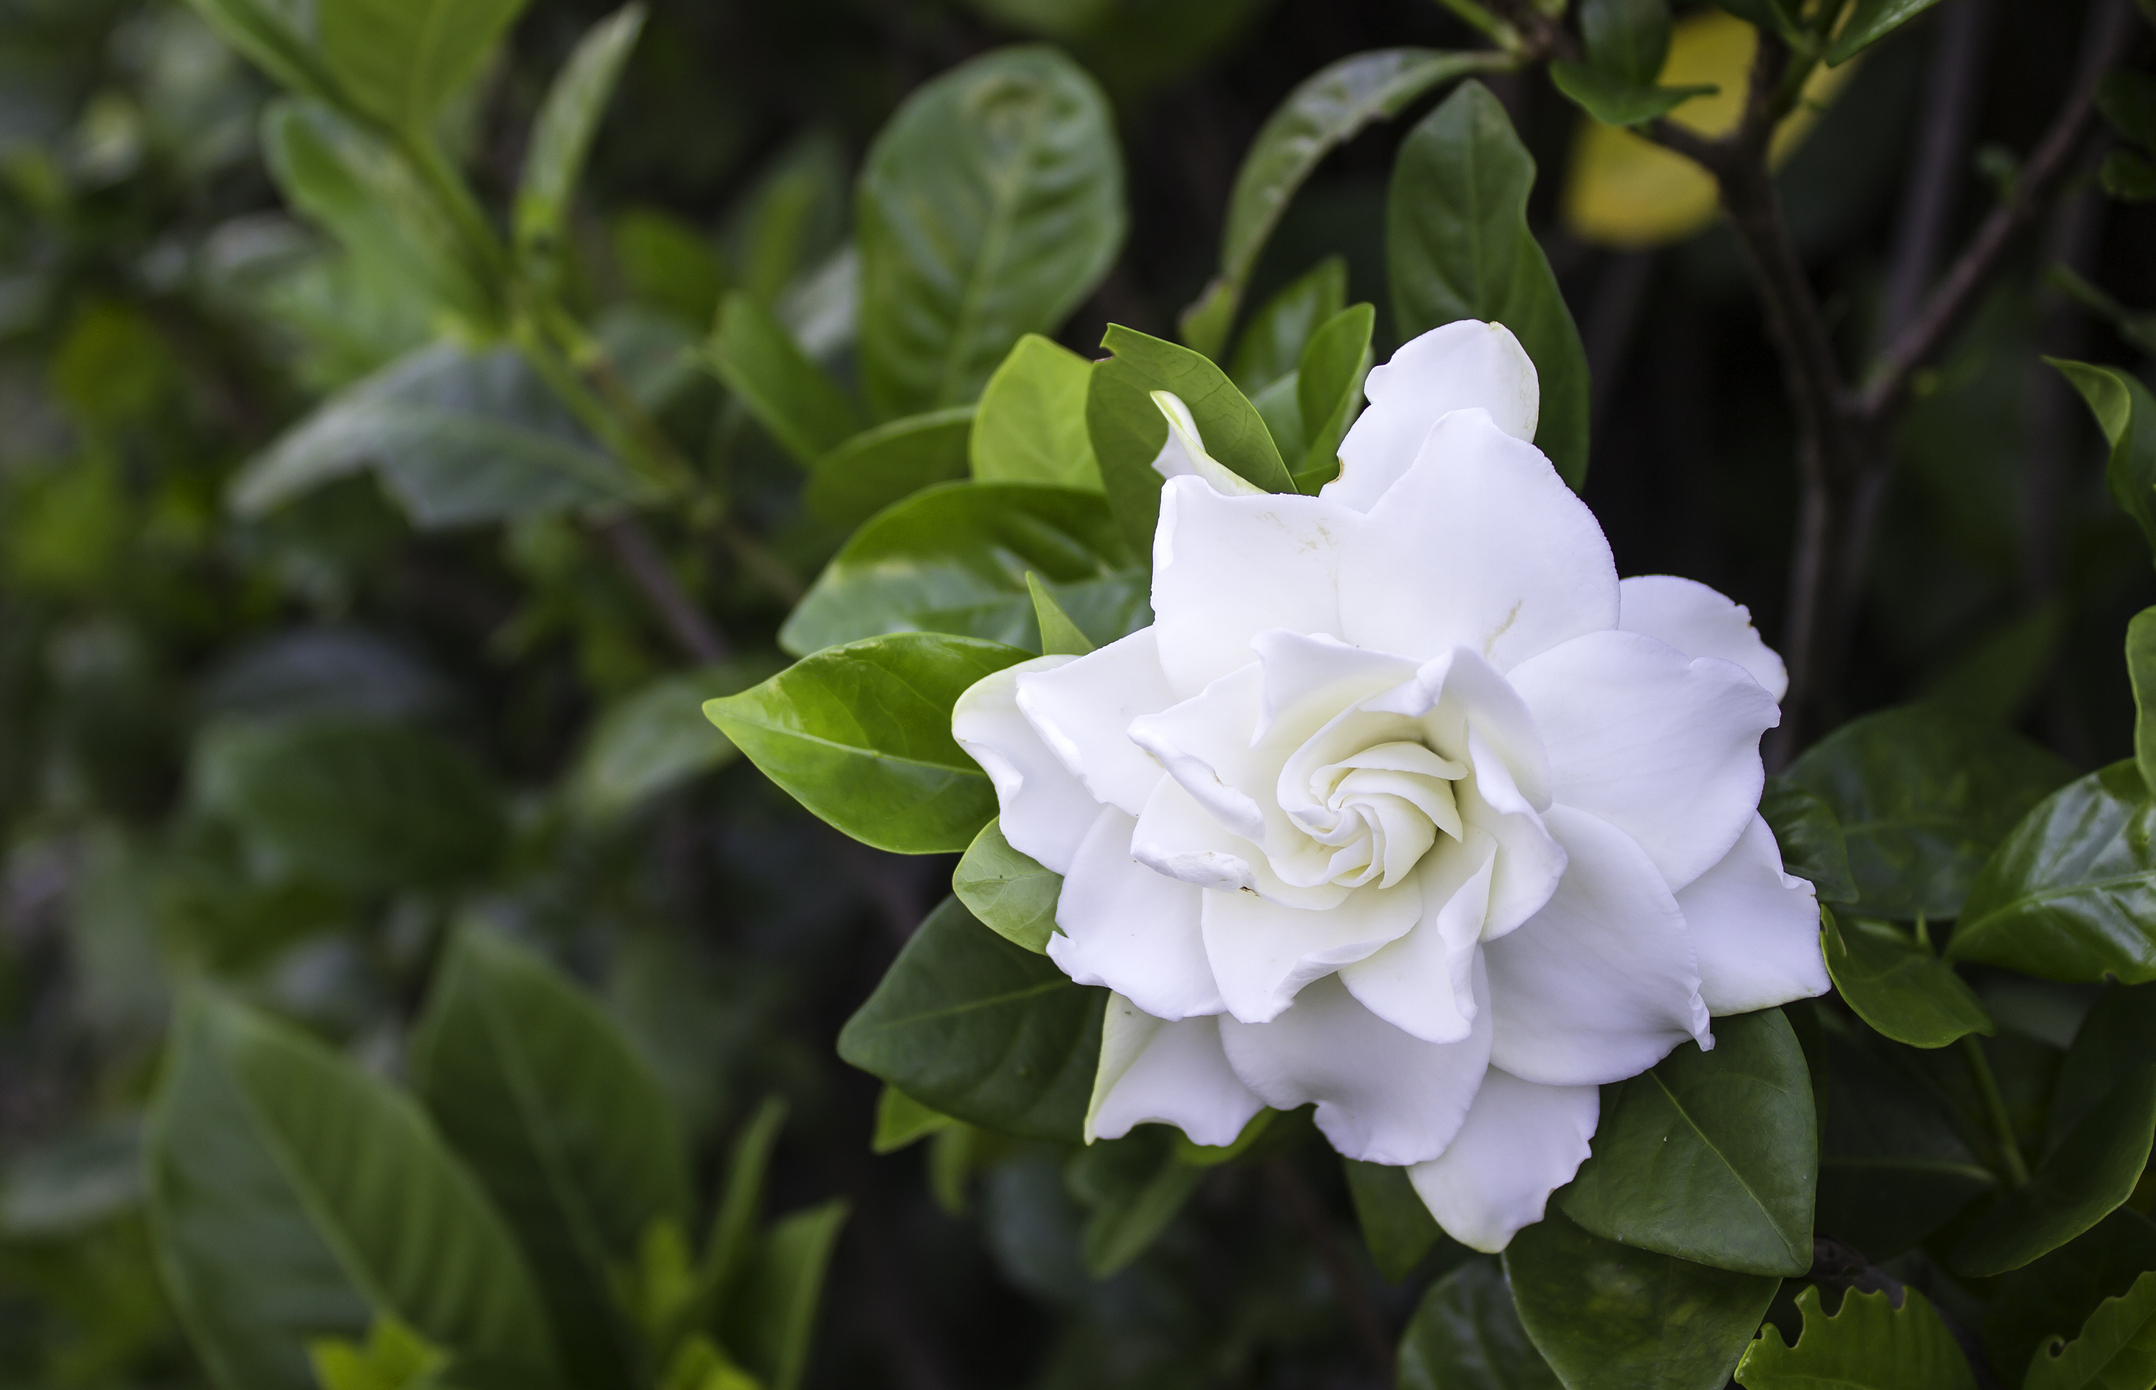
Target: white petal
column 1529, row 861
column 1263, row 953
column 1314, row 667
column 1481, row 545
column 1521, row 1142
column 1228, row 568
column 1459, row 691
column 1699, row 622
column 1178, row 837
column 1204, row 743
column 1663, row 747
column 1382, row 1096
column 1754, row 928
column 1600, row 984
column 1461, row 365
column 1184, row 456
column 1084, row 708
column 1045, row 811
column 1130, row 929
column 1424, row 983
column 1156, row 1071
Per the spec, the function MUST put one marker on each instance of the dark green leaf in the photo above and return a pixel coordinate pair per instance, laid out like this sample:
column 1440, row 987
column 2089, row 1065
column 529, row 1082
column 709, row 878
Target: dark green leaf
column 981, row 1030
column 2128, row 101
column 657, row 739
column 887, row 463
column 989, row 207
column 2128, row 176
column 2093, row 1170
column 1898, row 985
column 294, row 1197
column 1031, row 424
column 791, row 218
column 564, row 1126
column 1873, row 21
column 772, row 1326
column 1805, row 827
column 2126, row 412
column 731, row 1245
column 2116, row 1348
column 901, row 1120
column 1132, row 1187
column 1778, row 16
column 1711, row 1156
column 1628, row 39
column 1328, row 388
column 670, row 264
column 1128, row 430
column 787, row 393
column 1923, row 794
column 1272, row 342
column 2116, row 1039
column 1466, row 1335
column 861, row 736
column 2141, row 672
column 1612, row 100
column 357, row 803
column 955, row 559
column 1059, row 635
column 561, row 136
column 2071, row 893
column 2000, row 675
column 2055, row 1296
column 1007, row 890
column 1457, row 241
column 278, row 37
column 400, row 61
column 1396, row 1225
column 1610, row 1317
column 1869, row 1345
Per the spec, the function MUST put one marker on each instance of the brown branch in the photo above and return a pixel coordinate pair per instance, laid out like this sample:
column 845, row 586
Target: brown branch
column 1295, row 1195
column 632, row 548
column 1950, row 93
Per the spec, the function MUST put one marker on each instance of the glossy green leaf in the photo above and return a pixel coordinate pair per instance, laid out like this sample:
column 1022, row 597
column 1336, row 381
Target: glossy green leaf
column 981, row 1030
column 565, row 1127
column 1324, row 112
column 1611, row 1317
column 772, row 1325
column 1128, row 430
column 1613, row 100
column 1466, row 1335
column 989, row 207
column 1869, row 1345
column 789, row 395
column 955, row 558
column 861, row 736
column 1396, row 1226
column 1272, row 343
column 887, row 463
column 1711, row 1156
column 1810, row 836
column 901, row 1120
column 458, row 438
column 1459, row 247
column 1031, row 424
column 2141, row 671
column 2126, row 413
column 278, row 37
column 1627, row 39
column 1923, row 794
column 657, row 739
column 2071, row 893
column 2089, row 1175
column 1898, row 985
column 1009, row 891
column 400, row 61
column 1060, row 636
column 2115, row 1351
column 1872, row 21
column 1328, row 388
column 561, row 136
column 1132, row 1188
column 294, row 1197
column 2116, row 1038
column 2056, row 1295
column 356, row 803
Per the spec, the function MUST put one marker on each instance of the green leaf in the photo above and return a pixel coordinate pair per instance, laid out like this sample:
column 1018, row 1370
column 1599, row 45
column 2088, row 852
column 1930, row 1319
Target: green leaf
column 2071, row 893
column 1610, row 1317
column 1128, row 430
column 1325, row 111
column 400, row 61
column 1869, row 1345
column 888, row 463
column 731, row 1246
column 1328, row 388
column 562, row 1123
column 2128, row 176
column 1897, row 985
column 792, row 216
column 670, row 264
column 1872, row 21
column 901, row 1120
column 1923, row 794
column 1132, row 1188
column 1008, row 890
column 989, row 207
column 954, row 559
column 2141, row 672
column 458, row 438
column 789, row 395
column 1272, row 343
column 356, row 803
column 861, row 736
column 2057, row 1294
column 2115, row 1351
column 981, row 1030
column 1805, row 827
column 2089, row 1175
column 1059, row 635
column 1031, row 424
column 1396, row 1225
column 1777, row 16
column 2128, row 101
column 392, row 1358
column 294, row 1197
column 1613, row 100
column 657, row 739
column 772, row 1326
column 277, row 36
column 1628, row 39
column 1711, row 1156
column 1457, row 241
column 2126, row 412
column 1466, row 1335
column 2115, row 1039
column 561, row 136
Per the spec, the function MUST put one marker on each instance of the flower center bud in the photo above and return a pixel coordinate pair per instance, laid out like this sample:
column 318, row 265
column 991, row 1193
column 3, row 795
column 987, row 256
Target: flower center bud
column 1379, row 810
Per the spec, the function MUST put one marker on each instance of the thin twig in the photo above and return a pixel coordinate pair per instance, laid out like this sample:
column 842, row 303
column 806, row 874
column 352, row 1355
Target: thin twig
column 1296, row 1196
column 1950, row 93
column 632, row 548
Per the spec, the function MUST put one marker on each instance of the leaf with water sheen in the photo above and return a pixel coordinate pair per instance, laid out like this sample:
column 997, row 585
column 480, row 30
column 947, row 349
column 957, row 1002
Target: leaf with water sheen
column 1009, row 891
column 1897, row 985
column 2092, row 1171
column 888, row 463
column 1869, row 1345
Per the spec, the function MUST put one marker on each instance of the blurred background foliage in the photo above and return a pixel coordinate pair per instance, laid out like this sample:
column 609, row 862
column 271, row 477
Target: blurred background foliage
column 289, row 749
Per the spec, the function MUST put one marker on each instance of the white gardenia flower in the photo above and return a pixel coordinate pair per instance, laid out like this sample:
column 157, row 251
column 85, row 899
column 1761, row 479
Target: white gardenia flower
column 1404, row 805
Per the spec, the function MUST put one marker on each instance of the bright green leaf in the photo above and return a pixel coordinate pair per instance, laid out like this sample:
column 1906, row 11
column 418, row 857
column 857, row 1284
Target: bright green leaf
column 400, row 61
column 2115, row 1351
column 1872, row 21
column 561, row 136
column 1328, row 388
column 887, row 463
column 1466, row 1335
column 657, row 739
column 1898, row 985
column 1272, row 343
column 789, row 395
column 2127, row 414
column 1060, row 636
column 1396, row 1225
column 1031, row 424
column 1805, row 827
column 1009, row 891
column 392, row 1358
column 2088, row 1176
column 1869, row 1345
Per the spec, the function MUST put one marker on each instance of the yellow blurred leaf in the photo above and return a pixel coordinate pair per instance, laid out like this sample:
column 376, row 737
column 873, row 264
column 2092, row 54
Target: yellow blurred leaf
column 1623, row 190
